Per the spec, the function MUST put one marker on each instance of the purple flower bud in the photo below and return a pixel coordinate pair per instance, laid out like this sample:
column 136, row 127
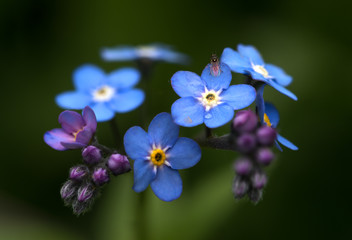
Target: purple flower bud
column 68, row 190
column 245, row 121
column 266, row 135
column 258, row 180
column 100, row 176
column 91, row 155
column 255, row 195
column 243, row 166
column 246, row 142
column 264, row 156
column 85, row 193
column 240, row 187
column 78, row 172
column 118, row 164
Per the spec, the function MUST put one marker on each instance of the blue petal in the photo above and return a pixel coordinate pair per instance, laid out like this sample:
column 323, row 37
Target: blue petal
column 259, row 101
column 251, row 53
column 218, row 116
column 173, row 57
column 238, row 96
column 123, row 78
column 143, row 175
column 88, row 77
column 282, row 89
column 277, row 145
column 163, row 131
column 279, row 74
column 235, row 61
column 119, row 53
column 184, row 154
column 137, row 143
column 73, row 100
column 127, row 101
column 272, row 113
column 221, row 81
column 187, row 84
column 187, row 112
column 258, row 76
column 55, row 136
column 286, row 142
column 167, row 185
column 102, row 111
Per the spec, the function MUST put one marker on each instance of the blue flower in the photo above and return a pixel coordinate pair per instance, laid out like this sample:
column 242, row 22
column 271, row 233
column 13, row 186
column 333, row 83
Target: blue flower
column 249, row 61
column 208, row 98
column 158, row 155
column 271, row 118
column 104, row 93
column 156, row 52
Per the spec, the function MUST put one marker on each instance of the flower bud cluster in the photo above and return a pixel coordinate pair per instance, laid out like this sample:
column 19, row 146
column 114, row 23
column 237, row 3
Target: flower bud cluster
column 86, row 180
column 254, row 143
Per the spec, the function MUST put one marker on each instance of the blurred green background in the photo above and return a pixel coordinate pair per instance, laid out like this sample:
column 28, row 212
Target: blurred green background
column 308, row 194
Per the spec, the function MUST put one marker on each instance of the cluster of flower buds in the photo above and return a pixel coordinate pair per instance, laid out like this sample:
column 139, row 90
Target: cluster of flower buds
column 254, row 142
column 86, row 180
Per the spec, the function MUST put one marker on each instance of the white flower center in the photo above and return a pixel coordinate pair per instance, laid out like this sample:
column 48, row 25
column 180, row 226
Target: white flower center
column 210, row 99
column 147, row 52
column 103, row 94
column 261, row 70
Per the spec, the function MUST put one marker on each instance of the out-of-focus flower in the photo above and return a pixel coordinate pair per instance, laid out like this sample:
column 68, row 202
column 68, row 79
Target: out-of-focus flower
column 249, row 61
column 91, row 155
column 208, row 98
column 271, row 118
column 154, row 52
column 104, row 93
column 76, row 132
column 158, row 155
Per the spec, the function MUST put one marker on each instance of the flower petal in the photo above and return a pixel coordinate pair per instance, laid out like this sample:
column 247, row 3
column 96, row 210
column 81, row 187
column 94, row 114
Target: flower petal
column 184, row 154
column 102, row 111
column 221, row 81
column 259, row 101
column 163, row 131
column 71, row 121
column 123, row 78
column 286, row 143
column 187, row 112
column 89, row 118
column 123, row 53
column 55, row 136
column 282, row 89
column 84, row 136
column 73, row 145
column 127, row 101
column 88, row 77
column 277, row 145
column 258, row 76
column 171, row 56
column 167, row 185
column 187, row 84
column 272, row 113
column 279, row 74
column 251, row 53
column 143, row 175
column 137, row 143
column 218, row 116
column 235, row 61
column 73, row 100
column 238, row 96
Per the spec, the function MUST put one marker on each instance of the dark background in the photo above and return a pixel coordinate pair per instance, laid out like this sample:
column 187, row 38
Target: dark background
column 308, row 194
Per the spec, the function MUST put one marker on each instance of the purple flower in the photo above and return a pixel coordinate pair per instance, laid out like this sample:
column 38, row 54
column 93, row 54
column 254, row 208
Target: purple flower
column 85, row 193
column 100, row 176
column 91, row 155
column 77, row 173
column 76, row 132
column 118, row 164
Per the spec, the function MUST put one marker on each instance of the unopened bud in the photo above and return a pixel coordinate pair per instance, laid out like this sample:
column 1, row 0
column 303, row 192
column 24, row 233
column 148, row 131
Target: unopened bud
column 266, row 135
column 68, row 190
column 264, row 156
column 259, row 180
column 77, row 173
column 245, row 121
column 246, row 142
column 243, row 166
column 240, row 187
column 91, row 155
column 118, row 164
column 100, row 176
column 255, row 195
column 85, row 193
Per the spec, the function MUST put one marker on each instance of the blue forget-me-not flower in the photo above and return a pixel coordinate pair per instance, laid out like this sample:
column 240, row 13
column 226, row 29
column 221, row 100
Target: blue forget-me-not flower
column 158, row 155
column 155, row 52
column 104, row 93
column 249, row 61
column 271, row 118
column 208, row 98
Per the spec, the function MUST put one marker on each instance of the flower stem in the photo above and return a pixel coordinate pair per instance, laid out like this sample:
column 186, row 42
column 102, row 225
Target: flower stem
column 208, row 132
column 115, row 131
column 141, row 218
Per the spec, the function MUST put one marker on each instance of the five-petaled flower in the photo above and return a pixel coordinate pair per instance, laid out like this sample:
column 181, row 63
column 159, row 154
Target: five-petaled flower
column 154, row 52
column 158, row 155
column 76, row 132
column 271, row 118
column 104, row 93
column 249, row 61
column 208, row 98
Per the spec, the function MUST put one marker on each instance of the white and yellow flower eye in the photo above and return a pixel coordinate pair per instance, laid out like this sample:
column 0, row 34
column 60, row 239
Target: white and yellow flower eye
column 210, row 99
column 103, row 94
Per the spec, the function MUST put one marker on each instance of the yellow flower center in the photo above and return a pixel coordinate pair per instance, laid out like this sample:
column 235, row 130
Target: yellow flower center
column 210, row 99
column 261, row 70
column 158, row 157
column 103, row 94
column 267, row 120
column 147, row 51
column 76, row 133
